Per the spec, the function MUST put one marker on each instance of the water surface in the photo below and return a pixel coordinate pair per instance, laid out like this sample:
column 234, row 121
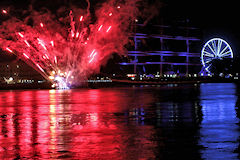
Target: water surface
column 141, row 122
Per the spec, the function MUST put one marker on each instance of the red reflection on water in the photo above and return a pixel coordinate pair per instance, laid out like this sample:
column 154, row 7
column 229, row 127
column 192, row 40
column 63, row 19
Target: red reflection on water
column 77, row 124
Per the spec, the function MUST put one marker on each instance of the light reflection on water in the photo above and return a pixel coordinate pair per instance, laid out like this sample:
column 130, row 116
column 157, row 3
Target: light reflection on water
column 171, row 122
column 220, row 129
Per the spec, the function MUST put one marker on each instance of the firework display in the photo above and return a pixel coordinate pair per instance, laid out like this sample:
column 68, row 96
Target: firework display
column 68, row 46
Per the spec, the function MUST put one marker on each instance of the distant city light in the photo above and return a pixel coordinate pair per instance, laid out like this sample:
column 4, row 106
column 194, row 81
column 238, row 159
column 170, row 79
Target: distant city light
column 131, row 75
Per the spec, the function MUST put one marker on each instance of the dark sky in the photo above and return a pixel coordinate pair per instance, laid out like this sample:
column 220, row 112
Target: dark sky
column 214, row 12
column 208, row 14
column 205, row 13
column 216, row 18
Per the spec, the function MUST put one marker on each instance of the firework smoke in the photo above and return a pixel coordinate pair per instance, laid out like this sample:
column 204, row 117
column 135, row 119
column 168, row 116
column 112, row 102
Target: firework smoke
column 71, row 44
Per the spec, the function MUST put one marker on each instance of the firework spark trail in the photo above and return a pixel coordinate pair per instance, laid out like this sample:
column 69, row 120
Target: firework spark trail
column 76, row 50
column 109, row 28
column 99, row 29
column 4, row 11
column 81, row 19
column 9, row 50
column 92, row 56
column 26, row 55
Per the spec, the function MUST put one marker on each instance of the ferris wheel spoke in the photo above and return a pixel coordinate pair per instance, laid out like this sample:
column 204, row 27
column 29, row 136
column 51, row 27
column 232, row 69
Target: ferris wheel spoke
column 214, row 46
column 208, row 66
column 211, row 49
column 223, row 50
column 208, row 60
column 226, row 54
column 208, row 54
column 219, row 46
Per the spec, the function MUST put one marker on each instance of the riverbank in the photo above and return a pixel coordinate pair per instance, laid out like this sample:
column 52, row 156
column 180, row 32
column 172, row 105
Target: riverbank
column 121, row 82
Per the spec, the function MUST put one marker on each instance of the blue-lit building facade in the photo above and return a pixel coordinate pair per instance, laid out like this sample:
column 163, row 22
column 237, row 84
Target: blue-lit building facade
column 164, row 50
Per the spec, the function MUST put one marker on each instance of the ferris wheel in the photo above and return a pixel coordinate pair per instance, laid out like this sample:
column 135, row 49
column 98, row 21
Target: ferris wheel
column 214, row 49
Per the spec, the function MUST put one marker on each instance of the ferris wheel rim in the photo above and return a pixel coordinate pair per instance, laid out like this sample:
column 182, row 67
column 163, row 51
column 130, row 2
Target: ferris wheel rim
column 216, row 51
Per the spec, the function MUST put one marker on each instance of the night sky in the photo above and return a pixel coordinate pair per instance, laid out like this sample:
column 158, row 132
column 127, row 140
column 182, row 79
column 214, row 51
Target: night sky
column 215, row 18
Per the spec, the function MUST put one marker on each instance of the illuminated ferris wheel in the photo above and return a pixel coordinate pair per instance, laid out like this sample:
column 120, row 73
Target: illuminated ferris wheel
column 215, row 49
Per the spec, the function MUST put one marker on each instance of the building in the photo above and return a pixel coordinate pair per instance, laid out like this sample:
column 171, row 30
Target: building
column 164, row 50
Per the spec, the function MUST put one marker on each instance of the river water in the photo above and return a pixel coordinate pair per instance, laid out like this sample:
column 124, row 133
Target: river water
column 138, row 122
